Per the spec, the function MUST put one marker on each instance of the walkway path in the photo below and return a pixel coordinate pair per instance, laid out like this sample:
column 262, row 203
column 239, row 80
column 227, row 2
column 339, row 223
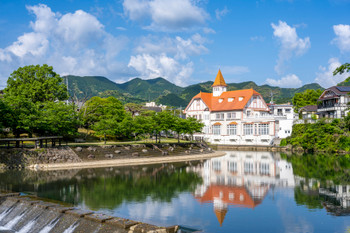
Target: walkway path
column 127, row 162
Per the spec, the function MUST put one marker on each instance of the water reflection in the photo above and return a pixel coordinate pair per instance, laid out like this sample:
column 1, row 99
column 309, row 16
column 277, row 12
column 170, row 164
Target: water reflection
column 219, row 194
column 241, row 179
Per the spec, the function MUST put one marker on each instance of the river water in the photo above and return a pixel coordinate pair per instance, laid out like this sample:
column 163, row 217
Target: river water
column 239, row 192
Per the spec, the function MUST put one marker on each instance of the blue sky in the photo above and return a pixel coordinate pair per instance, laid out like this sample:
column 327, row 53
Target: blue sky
column 285, row 43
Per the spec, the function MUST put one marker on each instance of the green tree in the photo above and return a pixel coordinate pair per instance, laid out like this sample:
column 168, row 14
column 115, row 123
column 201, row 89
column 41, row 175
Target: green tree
column 193, row 126
column 179, row 126
column 36, row 83
column 342, row 69
column 57, row 118
column 103, row 115
column 163, row 122
column 6, row 119
column 35, row 94
column 308, row 97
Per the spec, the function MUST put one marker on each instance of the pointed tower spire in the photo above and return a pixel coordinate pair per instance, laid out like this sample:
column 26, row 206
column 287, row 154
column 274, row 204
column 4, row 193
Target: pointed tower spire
column 220, row 215
column 219, row 80
column 219, row 85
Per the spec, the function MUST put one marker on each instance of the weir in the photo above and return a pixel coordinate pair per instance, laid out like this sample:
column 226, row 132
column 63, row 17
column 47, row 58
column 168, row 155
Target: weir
column 24, row 214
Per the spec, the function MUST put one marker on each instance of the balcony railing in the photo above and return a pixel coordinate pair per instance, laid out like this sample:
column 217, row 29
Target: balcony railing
column 332, row 106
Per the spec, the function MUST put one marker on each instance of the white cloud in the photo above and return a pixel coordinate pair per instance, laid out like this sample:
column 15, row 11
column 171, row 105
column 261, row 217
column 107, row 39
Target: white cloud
column 153, row 66
column 325, row 77
column 35, row 44
column 73, row 43
column 209, row 30
column 343, row 37
column 178, row 47
column 221, row 13
column 166, row 15
column 288, row 81
column 290, row 44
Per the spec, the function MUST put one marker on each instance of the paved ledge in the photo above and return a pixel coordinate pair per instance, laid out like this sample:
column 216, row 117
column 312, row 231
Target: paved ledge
column 88, row 221
column 126, row 162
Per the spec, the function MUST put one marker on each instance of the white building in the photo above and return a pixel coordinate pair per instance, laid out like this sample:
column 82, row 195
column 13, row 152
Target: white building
column 284, row 116
column 333, row 103
column 237, row 117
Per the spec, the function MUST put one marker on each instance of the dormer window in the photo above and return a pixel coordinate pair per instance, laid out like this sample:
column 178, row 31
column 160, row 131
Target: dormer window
column 240, row 98
column 230, row 99
column 220, row 100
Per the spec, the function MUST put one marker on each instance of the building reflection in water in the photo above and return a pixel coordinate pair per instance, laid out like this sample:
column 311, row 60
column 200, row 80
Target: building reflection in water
column 242, row 179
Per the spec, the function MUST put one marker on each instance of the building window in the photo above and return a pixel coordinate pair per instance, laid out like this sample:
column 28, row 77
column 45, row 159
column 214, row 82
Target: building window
column 232, row 166
column 216, row 165
column 264, row 169
column 230, row 99
column 220, row 116
column 216, row 129
column 288, row 110
column 248, row 113
column 263, row 129
column 206, row 117
column 248, row 168
column 206, row 129
column 200, row 116
column 231, row 129
column 248, row 129
column 231, row 115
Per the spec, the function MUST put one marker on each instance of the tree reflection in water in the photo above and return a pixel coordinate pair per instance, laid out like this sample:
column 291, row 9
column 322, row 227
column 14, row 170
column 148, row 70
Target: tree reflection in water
column 104, row 188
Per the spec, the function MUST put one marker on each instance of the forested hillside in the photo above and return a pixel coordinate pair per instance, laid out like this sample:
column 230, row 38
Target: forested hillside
column 164, row 92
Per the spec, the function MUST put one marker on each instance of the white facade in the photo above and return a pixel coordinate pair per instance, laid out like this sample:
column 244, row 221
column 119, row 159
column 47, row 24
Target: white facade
column 252, row 125
column 284, row 116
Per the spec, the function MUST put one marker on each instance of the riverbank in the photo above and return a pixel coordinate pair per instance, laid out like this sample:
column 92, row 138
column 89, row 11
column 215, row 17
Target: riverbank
column 102, row 155
column 21, row 214
column 127, row 162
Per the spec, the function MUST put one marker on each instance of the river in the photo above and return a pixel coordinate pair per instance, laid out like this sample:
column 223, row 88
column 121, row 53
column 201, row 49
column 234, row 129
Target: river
column 240, row 192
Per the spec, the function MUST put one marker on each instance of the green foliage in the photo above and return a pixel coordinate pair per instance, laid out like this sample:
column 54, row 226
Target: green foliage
column 6, row 119
column 172, row 99
column 97, row 109
column 322, row 136
column 33, row 103
column 56, row 118
column 345, row 68
column 283, row 142
column 89, row 86
column 323, row 167
column 36, row 84
column 103, row 115
column 310, row 200
column 308, row 97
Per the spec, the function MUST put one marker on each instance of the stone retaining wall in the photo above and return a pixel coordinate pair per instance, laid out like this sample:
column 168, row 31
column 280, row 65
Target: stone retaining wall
column 37, row 214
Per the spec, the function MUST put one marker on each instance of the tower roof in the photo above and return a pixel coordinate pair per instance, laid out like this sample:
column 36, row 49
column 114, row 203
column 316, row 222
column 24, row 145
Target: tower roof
column 220, row 215
column 219, row 80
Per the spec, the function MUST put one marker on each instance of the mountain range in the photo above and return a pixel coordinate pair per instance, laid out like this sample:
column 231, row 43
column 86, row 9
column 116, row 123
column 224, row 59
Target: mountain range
column 164, row 92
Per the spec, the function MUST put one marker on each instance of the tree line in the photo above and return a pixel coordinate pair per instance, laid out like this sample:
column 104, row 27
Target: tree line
column 35, row 102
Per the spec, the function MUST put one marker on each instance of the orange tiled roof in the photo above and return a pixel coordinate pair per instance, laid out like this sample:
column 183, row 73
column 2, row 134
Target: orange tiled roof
column 219, row 80
column 233, row 123
column 214, row 105
column 215, row 191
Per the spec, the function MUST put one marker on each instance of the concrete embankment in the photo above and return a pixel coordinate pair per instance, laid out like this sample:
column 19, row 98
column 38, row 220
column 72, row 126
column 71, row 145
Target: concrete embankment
column 89, row 154
column 24, row 214
column 127, row 162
